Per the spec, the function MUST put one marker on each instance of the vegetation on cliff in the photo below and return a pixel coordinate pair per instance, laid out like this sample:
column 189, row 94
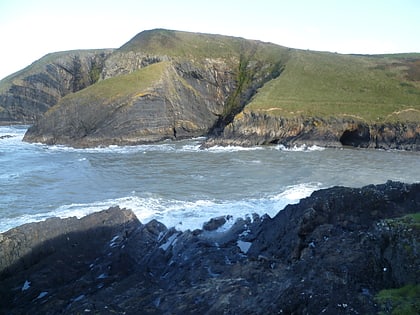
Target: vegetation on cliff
column 320, row 84
column 219, row 81
column 27, row 94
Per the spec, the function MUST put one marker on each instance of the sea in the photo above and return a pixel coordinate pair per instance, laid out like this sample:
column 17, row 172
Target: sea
column 178, row 182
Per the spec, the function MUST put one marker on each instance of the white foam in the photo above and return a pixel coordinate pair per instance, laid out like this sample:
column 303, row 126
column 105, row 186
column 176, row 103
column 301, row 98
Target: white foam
column 112, row 148
column 229, row 148
column 301, row 148
column 180, row 214
column 10, row 136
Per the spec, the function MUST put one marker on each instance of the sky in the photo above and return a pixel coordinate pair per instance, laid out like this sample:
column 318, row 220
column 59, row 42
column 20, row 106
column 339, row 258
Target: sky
column 30, row 29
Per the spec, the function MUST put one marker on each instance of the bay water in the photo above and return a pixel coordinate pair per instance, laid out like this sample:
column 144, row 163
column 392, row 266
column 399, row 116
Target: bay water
column 176, row 182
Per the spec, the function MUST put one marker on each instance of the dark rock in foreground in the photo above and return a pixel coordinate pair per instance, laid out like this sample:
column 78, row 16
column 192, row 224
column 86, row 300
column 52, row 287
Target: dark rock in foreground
column 329, row 254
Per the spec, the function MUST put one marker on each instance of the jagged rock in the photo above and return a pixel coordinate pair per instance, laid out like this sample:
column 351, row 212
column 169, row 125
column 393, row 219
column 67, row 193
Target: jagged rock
column 215, row 223
column 175, row 105
column 251, row 128
column 329, row 254
column 164, row 86
column 27, row 244
column 26, row 95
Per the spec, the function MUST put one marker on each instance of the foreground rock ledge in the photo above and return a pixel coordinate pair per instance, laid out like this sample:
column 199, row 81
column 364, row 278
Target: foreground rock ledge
column 329, row 254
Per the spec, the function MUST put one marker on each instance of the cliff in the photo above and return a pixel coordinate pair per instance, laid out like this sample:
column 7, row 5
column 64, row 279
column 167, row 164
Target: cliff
column 166, row 84
column 335, row 100
column 162, row 85
column 26, row 95
column 339, row 251
column 255, row 128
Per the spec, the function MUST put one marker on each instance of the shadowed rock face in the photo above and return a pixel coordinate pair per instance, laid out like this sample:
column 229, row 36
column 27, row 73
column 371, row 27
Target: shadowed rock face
column 329, row 254
column 184, row 101
column 250, row 128
column 29, row 93
column 204, row 91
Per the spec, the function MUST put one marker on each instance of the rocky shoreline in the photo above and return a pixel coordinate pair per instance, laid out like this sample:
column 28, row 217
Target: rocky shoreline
column 250, row 129
column 165, row 84
column 330, row 254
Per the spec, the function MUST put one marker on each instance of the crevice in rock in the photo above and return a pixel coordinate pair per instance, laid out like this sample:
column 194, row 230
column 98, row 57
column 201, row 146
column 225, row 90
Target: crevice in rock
column 251, row 76
column 357, row 137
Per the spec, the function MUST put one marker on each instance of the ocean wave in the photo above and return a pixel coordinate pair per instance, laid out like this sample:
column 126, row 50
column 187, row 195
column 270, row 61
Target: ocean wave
column 180, row 214
column 301, row 148
column 11, row 134
column 229, row 148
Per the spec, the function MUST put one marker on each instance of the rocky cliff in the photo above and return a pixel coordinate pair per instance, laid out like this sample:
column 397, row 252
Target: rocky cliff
column 162, row 85
column 166, row 84
column 175, row 100
column 330, row 254
column 26, row 95
column 255, row 128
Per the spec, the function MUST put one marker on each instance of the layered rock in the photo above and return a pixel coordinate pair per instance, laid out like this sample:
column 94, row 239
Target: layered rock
column 181, row 100
column 163, row 87
column 251, row 128
column 329, row 254
column 233, row 90
column 26, row 95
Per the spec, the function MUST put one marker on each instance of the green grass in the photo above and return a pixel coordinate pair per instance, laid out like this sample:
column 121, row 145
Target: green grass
column 374, row 88
column 326, row 84
column 196, row 46
column 123, row 87
column 401, row 301
column 39, row 66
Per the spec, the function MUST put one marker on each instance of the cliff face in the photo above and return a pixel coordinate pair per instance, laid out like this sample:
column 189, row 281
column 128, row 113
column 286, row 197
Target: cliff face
column 167, row 84
column 329, row 254
column 162, row 85
column 250, row 128
column 26, row 95
column 181, row 99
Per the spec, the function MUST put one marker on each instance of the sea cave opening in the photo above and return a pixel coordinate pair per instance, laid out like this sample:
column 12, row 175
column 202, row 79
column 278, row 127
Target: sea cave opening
column 358, row 137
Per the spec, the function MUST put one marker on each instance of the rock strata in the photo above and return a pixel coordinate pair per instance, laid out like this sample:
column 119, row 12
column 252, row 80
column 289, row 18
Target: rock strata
column 26, row 95
column 329, row 254
column 250, row 128
column 183, row 101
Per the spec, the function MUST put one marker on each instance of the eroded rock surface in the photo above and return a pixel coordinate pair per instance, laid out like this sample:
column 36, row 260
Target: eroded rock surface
column 26, row 95
column 329, row 254
column 250, row 128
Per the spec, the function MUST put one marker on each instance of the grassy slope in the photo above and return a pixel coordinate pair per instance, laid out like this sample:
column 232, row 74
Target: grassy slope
column 327, row 84
column 192, row 47
column 184, row 44
column 39, row 66
column 119, row 89
column 372, row 88
column 198, row 46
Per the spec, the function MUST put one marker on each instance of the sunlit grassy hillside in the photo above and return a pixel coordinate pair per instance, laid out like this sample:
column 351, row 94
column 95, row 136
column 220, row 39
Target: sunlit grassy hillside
column 373, row 88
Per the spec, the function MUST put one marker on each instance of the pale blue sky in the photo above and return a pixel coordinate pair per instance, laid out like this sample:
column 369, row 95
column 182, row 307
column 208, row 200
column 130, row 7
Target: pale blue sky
column 30, row 29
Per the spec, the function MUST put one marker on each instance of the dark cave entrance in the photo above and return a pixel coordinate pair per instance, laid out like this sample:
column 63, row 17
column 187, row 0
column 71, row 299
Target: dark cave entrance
column 358, row 137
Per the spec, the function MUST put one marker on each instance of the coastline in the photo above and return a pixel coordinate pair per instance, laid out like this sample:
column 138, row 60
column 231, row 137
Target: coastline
column 111, row 254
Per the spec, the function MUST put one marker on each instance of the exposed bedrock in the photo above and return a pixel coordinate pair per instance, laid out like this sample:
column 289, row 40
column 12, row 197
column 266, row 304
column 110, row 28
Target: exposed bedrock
column 185, row 101
column 249, row 128
column 329, row 254
column 26, row 95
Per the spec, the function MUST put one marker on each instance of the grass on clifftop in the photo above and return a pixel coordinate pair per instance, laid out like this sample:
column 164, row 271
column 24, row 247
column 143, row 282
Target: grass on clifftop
column 120, row 88
column 197, row 46
column 371, row 88
column 40, row 65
